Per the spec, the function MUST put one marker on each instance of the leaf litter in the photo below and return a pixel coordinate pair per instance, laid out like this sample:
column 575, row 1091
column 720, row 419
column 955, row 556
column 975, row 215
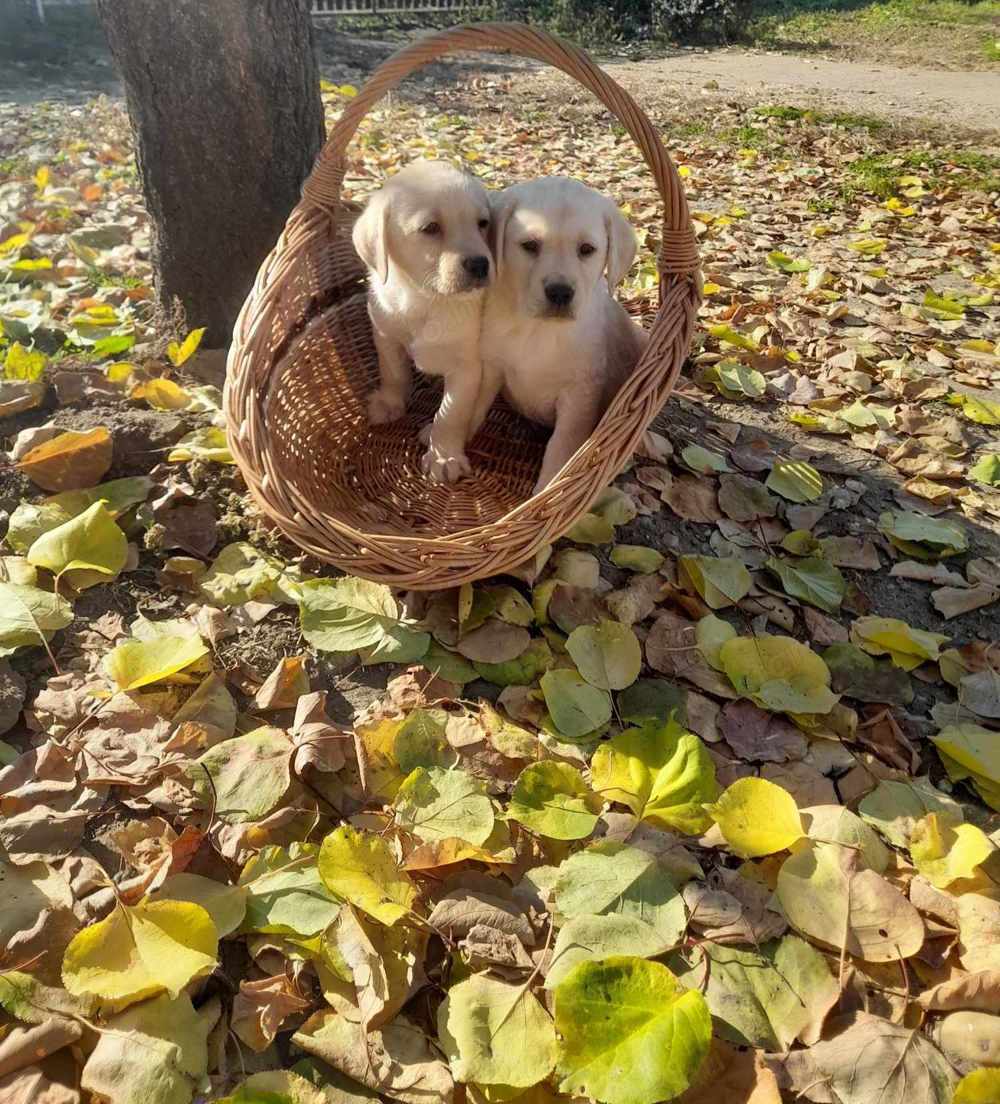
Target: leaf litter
column 729, row 759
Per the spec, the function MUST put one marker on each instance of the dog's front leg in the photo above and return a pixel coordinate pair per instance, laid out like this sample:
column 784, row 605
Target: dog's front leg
column 445, row 459
column 577, row 412
column 388, row 403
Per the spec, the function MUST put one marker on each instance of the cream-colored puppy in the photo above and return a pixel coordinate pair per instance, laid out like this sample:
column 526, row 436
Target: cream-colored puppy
column 423, row 238
column 555, row 342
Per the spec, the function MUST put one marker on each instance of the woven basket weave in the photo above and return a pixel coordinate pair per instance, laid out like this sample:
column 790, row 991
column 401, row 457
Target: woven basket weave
column 303, row 362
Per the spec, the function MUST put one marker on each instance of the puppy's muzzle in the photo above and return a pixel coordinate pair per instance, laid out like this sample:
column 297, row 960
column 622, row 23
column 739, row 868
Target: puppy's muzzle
column 559, row 299
column 477, row 270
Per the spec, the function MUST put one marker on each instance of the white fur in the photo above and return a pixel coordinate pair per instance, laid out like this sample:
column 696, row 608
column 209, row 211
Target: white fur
column 424, row 306
column 559, row 369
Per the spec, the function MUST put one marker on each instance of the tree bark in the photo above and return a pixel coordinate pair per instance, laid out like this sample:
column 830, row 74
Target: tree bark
column 225, row 106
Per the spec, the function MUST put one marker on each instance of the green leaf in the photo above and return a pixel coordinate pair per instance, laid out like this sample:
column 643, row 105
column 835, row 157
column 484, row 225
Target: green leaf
column 766, row 998
column 924, row 538
column 593, row 938
column 510, row 605
column 726, row 333
column 552, row 799
column 285, row 894
column 136, row 663
column 359, row 867
column 795, row 481
column 629, row 1033
column 939, row 306
column 88, row 545
column 894, row 808
column 638, row 558
column 660, row 772
column 29, row 615
column 577, row 708
column 522, row 671
column 736, row 380
column 784, row 263
column 811, row 579
column 244, row 778
column 438, row 804
column 496, row 1034
column 608, row 655
column 704, row 461
column 421, row 741
column 757, row 818
column 448, row 665
column 112, row 345
column 139, row 950
column 986, row 469
column 611, row 878
column 711, row 633
column 592, row 529
column 654, row 700
column 355, row 615
column 721, row 582
column 240, row 573
column 778, row 673
column 971, row 752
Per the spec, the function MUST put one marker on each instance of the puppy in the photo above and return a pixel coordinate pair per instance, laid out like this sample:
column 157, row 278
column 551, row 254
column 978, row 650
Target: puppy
column 555, row 342
column 423, row 238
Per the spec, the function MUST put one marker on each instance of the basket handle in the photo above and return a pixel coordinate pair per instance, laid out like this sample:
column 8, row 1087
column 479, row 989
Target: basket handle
column 678, row 250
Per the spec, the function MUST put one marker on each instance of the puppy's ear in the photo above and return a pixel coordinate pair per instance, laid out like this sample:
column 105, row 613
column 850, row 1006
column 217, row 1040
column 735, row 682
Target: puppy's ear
column 370, row 235
column 502, row 206
column 622, row 245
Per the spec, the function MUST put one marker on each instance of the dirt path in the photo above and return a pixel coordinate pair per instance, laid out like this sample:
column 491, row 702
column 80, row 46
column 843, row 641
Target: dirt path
column 969, row 100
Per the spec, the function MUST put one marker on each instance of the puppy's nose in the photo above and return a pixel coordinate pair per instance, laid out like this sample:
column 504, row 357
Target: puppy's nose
column 559, row 294
column 477, row 267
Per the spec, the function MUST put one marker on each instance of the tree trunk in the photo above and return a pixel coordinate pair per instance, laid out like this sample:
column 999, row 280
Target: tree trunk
column 225, row 106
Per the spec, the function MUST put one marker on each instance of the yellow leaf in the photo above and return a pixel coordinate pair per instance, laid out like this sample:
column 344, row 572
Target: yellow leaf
column 946, row 853
column 712, row 289
column 360, row 867
column 683, row 171
column 138, row 951
column 119, row 372
column 162, row 394
column 14, row 242
column 778, row 674
column 179, row 353
column 757, row 818
column 136, row 663
column 868, row 246
column 982, row 1086
column 42, row 177
column 906, row 647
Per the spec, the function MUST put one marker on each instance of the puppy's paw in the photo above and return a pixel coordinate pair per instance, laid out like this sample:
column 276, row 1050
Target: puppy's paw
column 385, row 406
column 444, row 465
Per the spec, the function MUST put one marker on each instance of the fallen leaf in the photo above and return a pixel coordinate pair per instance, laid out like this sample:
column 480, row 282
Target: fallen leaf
column 360, row 868
column 757, row 818
column 553, row 800
column 70, row 461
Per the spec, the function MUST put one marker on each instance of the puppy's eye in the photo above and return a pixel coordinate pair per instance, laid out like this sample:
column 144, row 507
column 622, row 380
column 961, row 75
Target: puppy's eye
column 484, row 224
column 431, row 228
column 531, row 247
column 587, row 250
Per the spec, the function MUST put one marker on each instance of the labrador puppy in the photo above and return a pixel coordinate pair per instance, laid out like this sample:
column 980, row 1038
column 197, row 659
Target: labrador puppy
column 423, row 239
column 555, row 342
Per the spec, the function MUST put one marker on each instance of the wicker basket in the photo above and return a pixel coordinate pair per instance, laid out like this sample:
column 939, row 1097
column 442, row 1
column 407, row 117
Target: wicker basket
column 303, row 362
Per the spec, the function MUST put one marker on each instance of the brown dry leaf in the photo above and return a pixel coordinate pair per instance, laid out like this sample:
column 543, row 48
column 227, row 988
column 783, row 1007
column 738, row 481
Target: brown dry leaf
column 386, row 964
column 261, row 1007
column 70, row 462
column 979, row 932
column 33, row 1086
column 937, row 574
column 693, row 498
column 822, row 629
column 758, row 736
column 852, row 552
column 671, row 649
column 952, row 601
column 495, row 641
column 979, row 991
column 396, row 1060
column 871, row 1062
column 319, row 743
column 733, row 1075
column 458, row 912
column 284, row 685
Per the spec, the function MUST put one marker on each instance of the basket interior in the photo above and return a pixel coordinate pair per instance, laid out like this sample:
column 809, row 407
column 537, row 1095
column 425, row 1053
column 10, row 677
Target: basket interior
column 364, row 476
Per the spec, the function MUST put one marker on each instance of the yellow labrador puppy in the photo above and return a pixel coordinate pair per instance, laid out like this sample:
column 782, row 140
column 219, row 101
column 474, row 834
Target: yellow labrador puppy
column 423, row 238
column 555, row 342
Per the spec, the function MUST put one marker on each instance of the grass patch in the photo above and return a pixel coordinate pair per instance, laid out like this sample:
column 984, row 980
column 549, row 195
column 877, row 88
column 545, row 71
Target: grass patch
column 850, row 119
column 965, row 170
